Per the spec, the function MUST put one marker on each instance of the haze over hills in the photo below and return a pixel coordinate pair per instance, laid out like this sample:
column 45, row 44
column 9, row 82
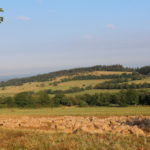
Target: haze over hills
column 20, row 79
column 8, row 77
column 47, row 76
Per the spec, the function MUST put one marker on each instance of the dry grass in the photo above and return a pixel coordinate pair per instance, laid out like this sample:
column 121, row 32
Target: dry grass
column 29, row 140
column 38, row 86
column 92, row 73
column 105, row 73
column 145, row 80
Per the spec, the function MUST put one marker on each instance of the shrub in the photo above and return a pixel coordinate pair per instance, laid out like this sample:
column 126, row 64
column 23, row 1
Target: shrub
column 43, row 99
column 23, row 99
column 82, row 103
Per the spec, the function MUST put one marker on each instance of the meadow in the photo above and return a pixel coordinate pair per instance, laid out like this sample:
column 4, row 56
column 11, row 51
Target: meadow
column 77, row 111
column 30, row 140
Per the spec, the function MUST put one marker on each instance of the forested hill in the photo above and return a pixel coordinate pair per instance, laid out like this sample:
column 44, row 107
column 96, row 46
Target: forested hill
column 48, row 76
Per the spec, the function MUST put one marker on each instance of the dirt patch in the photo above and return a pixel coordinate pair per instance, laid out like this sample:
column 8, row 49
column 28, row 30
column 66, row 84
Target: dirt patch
column 71, row 124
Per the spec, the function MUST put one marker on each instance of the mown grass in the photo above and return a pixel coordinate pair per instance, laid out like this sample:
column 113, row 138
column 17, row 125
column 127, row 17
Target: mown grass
column 77, row 111
column 29, row 140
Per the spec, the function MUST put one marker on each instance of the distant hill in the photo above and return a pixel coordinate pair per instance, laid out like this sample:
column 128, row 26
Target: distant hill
column 10, row 77
column 51, row 75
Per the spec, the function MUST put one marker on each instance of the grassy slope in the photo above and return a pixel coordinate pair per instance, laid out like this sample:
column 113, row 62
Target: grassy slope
column 145, row 80
column 37, row 86
column 76, row 111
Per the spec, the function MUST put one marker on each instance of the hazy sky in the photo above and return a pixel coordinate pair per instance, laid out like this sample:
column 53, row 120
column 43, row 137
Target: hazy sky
column 46, row 35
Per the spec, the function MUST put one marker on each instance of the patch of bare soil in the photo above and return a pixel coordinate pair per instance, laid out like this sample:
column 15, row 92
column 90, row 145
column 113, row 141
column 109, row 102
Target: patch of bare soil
column 71, row 124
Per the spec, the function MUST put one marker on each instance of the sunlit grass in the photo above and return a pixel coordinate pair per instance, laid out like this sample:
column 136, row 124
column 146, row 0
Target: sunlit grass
column 144, row 80
column 29, row 140
column 77, row 111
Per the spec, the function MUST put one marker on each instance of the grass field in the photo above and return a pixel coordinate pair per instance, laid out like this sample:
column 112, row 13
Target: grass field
column 29, row 140
column 32, row 139
column 77, row 111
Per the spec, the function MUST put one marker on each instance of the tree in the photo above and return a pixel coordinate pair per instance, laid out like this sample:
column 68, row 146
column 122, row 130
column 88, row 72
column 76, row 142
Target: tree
column 57, row 99
column 144, row 70
column 128, row 97
column 8, row 101
column 132, row 97
column 122, row 99
column 43, row 98
column 23, row 99
column 1, row 18
column 61, row 99
column 144, row 99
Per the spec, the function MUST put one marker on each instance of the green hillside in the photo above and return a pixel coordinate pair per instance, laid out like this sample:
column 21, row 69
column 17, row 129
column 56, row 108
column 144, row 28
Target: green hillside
column 95, row 79
column 93, row 86
column 52, row 75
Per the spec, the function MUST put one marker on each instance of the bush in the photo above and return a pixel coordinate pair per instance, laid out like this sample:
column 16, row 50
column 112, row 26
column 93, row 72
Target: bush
column 43, row 99
column 6, row 102
column 82, row 104
column 59, row 99
column 23, row 100
column 144, row 99
column 132, row 97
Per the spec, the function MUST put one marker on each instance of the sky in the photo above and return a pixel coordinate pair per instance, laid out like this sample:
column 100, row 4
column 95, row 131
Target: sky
column 40, row 36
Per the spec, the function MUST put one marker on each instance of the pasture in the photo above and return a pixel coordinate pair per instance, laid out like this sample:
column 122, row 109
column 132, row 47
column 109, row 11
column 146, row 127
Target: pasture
column 77, row 111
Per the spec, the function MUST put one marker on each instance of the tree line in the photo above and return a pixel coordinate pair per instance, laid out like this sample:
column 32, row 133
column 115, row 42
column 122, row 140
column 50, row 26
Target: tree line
column 42, row 99
column 144, row 70
column 112, row 85
column 132, row 76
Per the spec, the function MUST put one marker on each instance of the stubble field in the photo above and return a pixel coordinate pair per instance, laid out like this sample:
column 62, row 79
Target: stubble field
column 74, row 128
